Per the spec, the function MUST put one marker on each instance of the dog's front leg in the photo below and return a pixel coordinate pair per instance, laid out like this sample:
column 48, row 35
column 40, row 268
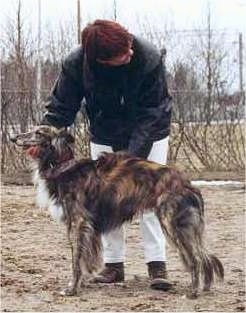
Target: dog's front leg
column 72, row 288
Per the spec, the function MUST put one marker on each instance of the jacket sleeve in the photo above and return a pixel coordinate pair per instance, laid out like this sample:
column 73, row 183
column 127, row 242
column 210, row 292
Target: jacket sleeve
column 66, row 95
column 153, row 113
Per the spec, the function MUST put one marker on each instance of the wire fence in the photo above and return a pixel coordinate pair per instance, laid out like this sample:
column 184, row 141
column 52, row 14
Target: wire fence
column 195, row 143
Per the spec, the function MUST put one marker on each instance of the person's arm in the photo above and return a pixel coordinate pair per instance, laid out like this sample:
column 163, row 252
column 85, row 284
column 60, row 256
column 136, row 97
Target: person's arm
column 65, row 98
column 153, row 113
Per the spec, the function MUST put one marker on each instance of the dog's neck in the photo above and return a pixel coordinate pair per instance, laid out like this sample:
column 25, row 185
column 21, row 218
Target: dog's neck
column 51, row 160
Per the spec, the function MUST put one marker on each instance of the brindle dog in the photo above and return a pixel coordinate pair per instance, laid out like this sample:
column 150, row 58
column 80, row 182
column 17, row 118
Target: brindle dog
column 94, row 197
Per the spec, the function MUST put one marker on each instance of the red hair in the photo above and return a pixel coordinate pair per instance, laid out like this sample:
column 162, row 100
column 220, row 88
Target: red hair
column 105, row 39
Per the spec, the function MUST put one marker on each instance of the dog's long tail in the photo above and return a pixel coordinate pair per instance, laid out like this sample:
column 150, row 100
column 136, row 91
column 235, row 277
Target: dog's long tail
column 181, row 216
column 211, row 267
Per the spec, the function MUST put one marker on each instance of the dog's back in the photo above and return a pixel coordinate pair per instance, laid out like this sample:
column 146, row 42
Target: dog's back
column 128, row 186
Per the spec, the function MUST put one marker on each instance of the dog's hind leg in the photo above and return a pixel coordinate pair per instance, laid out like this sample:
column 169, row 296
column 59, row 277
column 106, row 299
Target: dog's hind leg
column 192, row 266
column 195, row 272
column 183, row 237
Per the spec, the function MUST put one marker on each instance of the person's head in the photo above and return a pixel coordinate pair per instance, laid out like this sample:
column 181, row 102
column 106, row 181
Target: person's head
column 107, row 42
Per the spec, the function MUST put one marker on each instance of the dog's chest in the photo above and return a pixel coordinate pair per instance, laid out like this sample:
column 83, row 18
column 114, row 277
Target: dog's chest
column 45, row 200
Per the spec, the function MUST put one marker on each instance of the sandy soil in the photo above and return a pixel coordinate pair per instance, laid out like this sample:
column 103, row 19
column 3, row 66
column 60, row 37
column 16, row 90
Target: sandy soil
column 36, row 262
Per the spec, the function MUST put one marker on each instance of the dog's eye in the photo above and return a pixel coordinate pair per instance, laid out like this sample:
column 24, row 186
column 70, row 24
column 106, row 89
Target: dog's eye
column 40, row 132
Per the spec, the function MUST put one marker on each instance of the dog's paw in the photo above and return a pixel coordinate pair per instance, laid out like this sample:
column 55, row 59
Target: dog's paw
column 192, row 295
column 68, row 292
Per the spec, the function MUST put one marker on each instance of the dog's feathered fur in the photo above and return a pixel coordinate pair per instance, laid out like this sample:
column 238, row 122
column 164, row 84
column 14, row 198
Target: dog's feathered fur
column 94, row 197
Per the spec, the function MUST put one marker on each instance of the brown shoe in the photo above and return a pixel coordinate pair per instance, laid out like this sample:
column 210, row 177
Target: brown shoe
column 112, row 273
column 158, row 275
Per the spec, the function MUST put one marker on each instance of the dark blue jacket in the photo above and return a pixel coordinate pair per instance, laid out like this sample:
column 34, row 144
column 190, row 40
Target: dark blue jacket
column 128, row 106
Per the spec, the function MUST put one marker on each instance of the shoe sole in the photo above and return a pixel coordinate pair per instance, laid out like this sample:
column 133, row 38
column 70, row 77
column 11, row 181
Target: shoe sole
column 160, row 284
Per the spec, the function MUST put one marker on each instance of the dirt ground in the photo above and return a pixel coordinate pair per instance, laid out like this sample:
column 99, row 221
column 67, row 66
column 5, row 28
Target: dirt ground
column 36, row 262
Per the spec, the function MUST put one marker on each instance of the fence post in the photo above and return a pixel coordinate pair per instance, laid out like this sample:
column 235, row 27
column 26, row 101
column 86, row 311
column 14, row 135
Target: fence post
column 78, row 22
column 39, row 68
column 240, row 58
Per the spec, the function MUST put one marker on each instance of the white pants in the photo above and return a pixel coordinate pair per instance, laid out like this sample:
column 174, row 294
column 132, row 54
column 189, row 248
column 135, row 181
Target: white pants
column 153, row 239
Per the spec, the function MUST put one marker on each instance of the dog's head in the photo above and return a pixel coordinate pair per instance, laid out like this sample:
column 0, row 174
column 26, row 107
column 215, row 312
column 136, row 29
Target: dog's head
column 46, row 142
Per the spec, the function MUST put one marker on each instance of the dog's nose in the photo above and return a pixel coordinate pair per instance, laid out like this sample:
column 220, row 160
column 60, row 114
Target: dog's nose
column 13, row 139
